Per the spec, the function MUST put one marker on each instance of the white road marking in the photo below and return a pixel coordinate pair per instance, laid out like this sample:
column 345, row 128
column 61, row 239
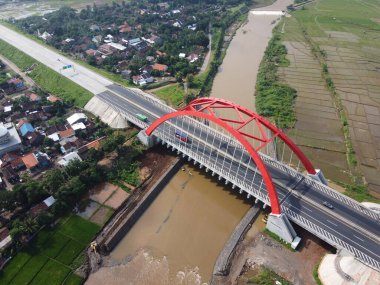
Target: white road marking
column 306, row 208
column 359, row 238
column 331, row 222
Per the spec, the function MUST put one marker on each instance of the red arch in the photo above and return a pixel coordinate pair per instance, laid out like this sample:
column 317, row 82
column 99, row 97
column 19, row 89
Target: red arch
column 210, row 103
column 275, row 205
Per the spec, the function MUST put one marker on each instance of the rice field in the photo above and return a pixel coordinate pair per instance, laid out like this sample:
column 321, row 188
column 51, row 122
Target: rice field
column 347, row 33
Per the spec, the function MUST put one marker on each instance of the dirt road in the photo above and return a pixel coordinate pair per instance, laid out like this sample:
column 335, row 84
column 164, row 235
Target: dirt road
column 26, row 78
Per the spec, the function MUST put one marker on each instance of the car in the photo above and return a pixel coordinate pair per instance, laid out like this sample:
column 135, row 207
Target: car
column 328, row 205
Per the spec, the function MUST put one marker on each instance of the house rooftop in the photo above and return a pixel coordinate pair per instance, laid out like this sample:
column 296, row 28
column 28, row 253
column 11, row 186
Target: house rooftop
column 76, row 117
column 30, row 160
column 69, row 157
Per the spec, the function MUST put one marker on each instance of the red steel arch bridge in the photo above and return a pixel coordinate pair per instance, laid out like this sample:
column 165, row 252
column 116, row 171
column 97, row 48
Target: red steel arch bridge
column 259, row 161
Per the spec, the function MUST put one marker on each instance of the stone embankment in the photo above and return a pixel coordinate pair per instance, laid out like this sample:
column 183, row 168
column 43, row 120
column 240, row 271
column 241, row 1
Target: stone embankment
column 107, row 114
column 223, row 263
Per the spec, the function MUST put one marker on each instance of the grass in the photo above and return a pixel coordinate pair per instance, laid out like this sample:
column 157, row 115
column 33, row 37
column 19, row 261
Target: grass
column 275, row 100
column 46, row 78
column 267, row 277
column 29, row 270
column 52, row 256
column 70, row 252
column 45, row 276
column 172, row 95
column 277, row 238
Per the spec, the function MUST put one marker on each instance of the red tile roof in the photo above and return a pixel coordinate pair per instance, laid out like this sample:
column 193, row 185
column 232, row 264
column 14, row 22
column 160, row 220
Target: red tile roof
column 160, row 67
column 67, row 133
column 30, row 160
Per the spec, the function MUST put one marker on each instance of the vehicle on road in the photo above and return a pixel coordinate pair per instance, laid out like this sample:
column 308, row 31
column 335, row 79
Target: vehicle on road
column 142, row 117
column 182, row 136
column 328, row 205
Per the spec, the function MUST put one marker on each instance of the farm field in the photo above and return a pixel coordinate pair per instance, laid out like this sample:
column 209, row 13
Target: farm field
column 346, row 35
column 59, row 250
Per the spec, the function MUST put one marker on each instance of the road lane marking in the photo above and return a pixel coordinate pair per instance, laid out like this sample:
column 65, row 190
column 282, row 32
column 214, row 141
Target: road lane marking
column 331, row 222
column 306, row 208
column 358, row 238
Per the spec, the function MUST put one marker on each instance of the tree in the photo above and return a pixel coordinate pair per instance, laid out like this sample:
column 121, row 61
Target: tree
column 190, row 80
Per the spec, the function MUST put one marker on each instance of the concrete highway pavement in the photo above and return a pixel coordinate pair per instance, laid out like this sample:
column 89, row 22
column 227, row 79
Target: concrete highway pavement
column 84, row 77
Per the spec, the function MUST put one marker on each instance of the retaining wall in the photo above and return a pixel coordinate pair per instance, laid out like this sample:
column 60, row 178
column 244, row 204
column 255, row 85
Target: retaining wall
column 223, row 263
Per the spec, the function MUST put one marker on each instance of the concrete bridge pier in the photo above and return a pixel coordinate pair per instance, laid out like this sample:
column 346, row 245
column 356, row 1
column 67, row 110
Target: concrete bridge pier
column 280, row 225
column 146, row 140
column 319, row 176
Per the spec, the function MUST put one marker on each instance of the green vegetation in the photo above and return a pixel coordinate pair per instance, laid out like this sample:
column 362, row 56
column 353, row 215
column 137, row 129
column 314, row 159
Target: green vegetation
column 273, row 99
column 50, row 257
column 315, row 274
column 358, row 192
column 172, row 95
column 48, row 80
column 267, row 277
column 277, row 238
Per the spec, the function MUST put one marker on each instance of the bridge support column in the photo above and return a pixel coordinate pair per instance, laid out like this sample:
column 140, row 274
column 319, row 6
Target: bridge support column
column 233, row 186
column 213, row 173
column 207, row 170
column 280, row 225
column 319, row 176
column 146, row 140
column 248, row 196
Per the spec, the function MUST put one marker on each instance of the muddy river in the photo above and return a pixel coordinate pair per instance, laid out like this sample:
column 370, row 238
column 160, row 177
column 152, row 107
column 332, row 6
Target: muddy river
column 189, row 222
column 236, row 78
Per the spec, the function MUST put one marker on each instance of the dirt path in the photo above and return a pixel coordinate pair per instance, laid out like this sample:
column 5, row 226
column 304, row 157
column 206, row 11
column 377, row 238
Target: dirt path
column 26, row 78
column 208, row 55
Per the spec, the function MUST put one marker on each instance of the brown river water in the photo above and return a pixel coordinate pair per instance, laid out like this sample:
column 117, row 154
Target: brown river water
column 179, row 237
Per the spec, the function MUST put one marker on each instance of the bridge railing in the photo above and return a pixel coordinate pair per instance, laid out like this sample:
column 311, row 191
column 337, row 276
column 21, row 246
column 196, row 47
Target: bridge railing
column 322, row 187
column 312, row 227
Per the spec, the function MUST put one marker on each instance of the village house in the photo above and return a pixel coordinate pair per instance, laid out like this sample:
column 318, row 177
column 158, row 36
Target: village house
column 77, row 118
column 36, row 161
column 125, row 28
column 160, row 67
column 26, row 128
column 10, row 175
column 18, row 84
column 33, row 97
column 142, row 79
column 97, row 40
column 41, row 207
column 91, row 52
column 52, row 98
column 69, row 157
column 193, row 57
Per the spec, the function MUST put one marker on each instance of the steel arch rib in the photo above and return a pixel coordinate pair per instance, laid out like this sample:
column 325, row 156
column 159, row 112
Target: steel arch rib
column 275, row 205
column 296, row 150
